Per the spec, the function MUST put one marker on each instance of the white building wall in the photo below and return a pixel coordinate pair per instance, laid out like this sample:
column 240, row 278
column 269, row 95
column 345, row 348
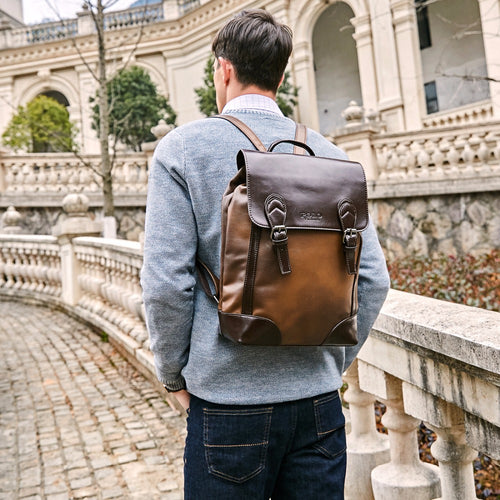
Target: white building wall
column 457, row 49
column 335, row 66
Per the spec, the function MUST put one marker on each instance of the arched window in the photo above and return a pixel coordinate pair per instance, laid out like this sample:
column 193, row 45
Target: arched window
column 57, row 96
column 335, row 65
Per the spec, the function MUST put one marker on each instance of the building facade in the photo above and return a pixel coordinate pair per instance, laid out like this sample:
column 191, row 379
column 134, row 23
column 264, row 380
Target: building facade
column 409, row 88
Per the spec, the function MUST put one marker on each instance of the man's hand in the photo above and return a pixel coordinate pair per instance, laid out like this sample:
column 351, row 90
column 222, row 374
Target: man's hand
column 183, row 397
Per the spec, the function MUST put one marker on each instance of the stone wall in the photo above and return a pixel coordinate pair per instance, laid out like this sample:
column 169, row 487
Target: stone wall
column 41, row 220
column 429, row 225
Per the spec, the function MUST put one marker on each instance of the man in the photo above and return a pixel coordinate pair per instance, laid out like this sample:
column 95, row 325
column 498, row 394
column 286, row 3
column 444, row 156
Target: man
column 263, row 421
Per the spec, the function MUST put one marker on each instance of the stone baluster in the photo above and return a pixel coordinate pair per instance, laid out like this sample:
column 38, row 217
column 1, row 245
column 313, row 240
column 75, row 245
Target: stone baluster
column 483, row 153
column 455, row 457
column 366, row 448
column 422, row 159
column 438, row 158
column 381, row 154
column 405, row 476
column 9, row 269
column 468, row 156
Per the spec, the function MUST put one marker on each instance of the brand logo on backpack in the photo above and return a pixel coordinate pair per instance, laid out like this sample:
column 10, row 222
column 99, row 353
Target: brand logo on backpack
column 311, row 215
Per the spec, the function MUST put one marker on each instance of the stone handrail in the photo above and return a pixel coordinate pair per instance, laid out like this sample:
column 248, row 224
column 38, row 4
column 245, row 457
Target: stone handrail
column 476, row 113
column 457, row 152
column 61, row 173
column 425, row 359
column 133, row 17
column 30, row 263
column 445, row 160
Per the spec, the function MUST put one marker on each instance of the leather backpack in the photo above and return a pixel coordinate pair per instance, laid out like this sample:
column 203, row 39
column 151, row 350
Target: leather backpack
column 290, row 246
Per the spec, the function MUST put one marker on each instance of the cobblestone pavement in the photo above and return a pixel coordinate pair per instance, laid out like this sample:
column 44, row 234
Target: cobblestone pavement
column 76, row 420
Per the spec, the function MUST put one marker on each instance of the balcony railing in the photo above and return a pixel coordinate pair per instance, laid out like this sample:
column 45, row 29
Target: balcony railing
column 60, row 173
column 427, row 360
column 83, row 25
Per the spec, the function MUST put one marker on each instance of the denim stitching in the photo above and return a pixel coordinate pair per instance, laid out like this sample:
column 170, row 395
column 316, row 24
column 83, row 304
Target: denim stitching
column 261, row 411
column 317, row 414
column 329, row 454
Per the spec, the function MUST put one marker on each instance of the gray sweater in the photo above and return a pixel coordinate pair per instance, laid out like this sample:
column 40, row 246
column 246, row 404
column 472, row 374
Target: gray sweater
column 191, row 168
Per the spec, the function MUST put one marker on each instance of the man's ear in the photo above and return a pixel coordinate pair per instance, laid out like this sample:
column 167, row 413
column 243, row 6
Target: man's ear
column 227, row 70
column 281, row 81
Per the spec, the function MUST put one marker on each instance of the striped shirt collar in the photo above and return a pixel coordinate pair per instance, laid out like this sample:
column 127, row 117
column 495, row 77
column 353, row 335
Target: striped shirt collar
column 257, row 102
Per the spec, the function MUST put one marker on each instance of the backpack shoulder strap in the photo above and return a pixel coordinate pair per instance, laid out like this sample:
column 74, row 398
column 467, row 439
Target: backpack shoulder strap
column 300, row 133
column 252, row 137
column 300, row 136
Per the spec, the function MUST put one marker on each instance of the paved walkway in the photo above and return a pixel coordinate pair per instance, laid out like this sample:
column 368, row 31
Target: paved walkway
column 76, row 420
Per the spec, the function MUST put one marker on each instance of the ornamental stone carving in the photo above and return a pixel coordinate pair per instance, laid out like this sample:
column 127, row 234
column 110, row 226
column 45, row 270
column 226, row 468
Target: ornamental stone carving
column 10, row 221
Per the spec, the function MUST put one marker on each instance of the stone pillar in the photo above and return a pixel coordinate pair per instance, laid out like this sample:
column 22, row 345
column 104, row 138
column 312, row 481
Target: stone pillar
column 86, row 25
column 5, row 37
column 366, row 448
column 455, row 457
column 7, row 108
column 170, row 10
column 87, row 88
column 307, row 110
column 410, row 63
column 490, row 21
column 364, row 44
column 390, row 102
column 10, row 221
column 405, row 476
column 77, row 223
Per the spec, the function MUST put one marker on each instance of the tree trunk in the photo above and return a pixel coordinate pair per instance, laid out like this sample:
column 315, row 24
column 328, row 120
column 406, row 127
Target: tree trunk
column 107, row 181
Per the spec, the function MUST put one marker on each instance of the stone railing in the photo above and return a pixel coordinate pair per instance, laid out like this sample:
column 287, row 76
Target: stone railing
column 30, row 264
column 476, row 113
column 426, row 360
column 83, row 24
column 461, row 151
column 133, row 17
column 61, row 173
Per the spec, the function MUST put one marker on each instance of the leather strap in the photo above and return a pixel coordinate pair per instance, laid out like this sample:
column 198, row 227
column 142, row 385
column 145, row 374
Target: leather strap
column 252, row 137
column 203, row 270
column 347, row 216
column 275, row 209
column 300, row 136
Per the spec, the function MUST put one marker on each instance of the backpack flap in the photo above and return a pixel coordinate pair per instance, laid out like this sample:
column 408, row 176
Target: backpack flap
column 287, row 191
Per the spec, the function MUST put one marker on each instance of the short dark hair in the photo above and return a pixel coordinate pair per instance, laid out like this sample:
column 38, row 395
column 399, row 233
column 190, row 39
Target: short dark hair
column 257, row 46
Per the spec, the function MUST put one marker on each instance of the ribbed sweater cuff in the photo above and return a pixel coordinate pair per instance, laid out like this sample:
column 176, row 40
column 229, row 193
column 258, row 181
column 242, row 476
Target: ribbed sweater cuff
column 174, row 385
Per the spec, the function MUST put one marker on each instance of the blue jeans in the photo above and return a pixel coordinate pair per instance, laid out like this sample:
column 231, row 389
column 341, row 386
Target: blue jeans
column 292, row 450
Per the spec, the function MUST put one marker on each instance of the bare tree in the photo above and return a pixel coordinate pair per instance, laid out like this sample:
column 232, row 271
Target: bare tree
column 97, row 9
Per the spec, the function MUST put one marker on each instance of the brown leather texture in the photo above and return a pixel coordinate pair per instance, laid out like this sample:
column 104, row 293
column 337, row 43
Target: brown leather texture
column 290, row 249
column 311, row 187
column 247, row 329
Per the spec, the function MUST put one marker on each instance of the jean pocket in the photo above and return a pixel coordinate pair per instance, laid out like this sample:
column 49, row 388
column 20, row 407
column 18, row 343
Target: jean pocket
column 330, row 425
column 236, row 442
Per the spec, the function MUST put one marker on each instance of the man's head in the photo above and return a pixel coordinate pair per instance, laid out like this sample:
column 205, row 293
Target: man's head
column 257, row 48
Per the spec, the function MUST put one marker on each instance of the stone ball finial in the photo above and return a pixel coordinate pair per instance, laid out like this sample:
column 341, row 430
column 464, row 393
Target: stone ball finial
column 162, row 129
column 76, row 205
column 10, row 221
column 353, row 114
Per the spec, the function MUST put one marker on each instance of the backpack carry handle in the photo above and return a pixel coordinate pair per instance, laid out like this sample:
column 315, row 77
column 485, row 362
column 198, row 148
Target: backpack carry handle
column 295, row 143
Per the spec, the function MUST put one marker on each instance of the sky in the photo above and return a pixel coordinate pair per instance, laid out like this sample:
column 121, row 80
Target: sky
column 36, row 11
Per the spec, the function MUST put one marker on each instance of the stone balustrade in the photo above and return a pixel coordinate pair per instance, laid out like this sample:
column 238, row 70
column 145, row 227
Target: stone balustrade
column 438, row 161
column 83, row 24
column 476, row 113
column 427, row 360
column 61, row 173
column 30, row 264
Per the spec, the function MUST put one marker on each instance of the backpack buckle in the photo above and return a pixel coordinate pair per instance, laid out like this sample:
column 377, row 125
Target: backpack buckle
column 279, row 234
column 350, row 238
